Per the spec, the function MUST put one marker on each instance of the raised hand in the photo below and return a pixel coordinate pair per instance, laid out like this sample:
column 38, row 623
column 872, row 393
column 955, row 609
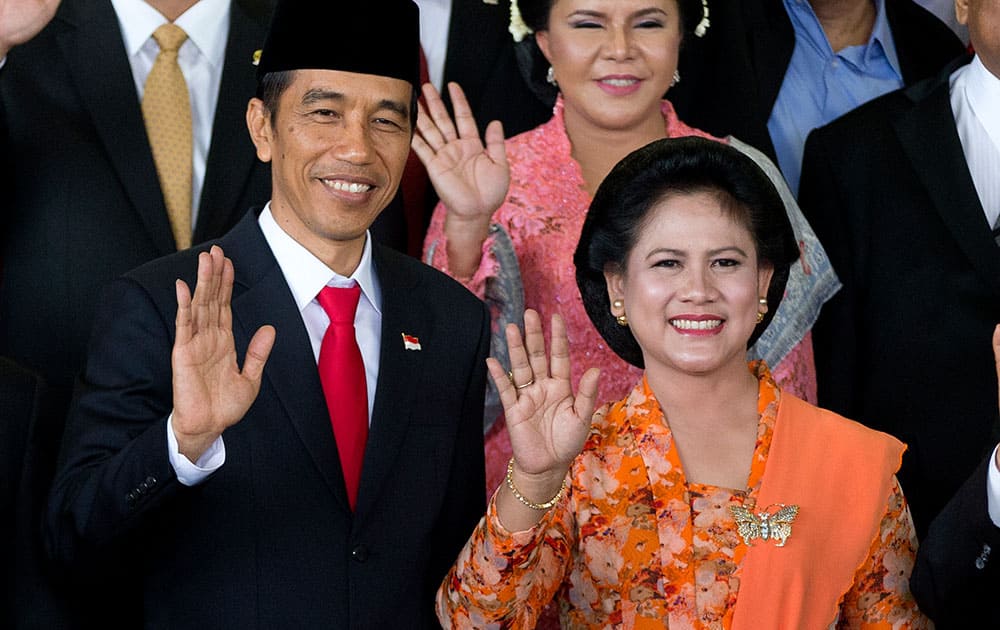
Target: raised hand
column 469, row 178
column 20, row 20
column 211, row 393
column 547, row 424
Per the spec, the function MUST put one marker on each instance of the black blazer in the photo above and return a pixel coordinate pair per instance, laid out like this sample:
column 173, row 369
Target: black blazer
column 730, row 78
column 82, row 202
column 957, row 575
column 905, row 345
column 269, row 541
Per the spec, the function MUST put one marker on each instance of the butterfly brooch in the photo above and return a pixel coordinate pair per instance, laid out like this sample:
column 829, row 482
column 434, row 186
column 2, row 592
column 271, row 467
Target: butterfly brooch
column 765, row 525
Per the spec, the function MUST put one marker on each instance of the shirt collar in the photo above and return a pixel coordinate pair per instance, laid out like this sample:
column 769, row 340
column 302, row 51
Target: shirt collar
column 206, row 23
column 306, row 275
column 881, row 38
column 982, row 89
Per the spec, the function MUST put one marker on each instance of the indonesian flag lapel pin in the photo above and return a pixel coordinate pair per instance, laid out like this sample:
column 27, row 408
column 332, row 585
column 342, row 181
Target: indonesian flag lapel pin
column 410, row 342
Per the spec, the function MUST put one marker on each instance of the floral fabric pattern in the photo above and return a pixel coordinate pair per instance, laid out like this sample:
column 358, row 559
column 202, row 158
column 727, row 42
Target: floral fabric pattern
column 632, row 544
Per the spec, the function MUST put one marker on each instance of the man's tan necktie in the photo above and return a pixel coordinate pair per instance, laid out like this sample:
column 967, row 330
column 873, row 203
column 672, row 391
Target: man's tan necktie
column 167, row 113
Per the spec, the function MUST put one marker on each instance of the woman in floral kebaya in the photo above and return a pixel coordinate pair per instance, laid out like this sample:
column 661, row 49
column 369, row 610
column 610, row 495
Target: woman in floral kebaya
column 511, row 211
column 707, row 497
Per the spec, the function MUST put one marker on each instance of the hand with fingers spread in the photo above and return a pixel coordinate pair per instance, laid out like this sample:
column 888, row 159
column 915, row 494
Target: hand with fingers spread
column 547, row 424
column 210, row 392
column 470, row 179
column 20, row 20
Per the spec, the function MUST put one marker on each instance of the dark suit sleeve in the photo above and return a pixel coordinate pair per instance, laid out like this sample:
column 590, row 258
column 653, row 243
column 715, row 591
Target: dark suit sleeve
column 113, row 465
column 835, row 333
column 956, row 579
column 465, row 502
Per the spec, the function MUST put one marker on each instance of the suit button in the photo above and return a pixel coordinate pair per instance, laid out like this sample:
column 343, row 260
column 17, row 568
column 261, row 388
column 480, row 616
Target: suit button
column 983, row 558
column 148, row 483
column 131, row 498
column 360, row 553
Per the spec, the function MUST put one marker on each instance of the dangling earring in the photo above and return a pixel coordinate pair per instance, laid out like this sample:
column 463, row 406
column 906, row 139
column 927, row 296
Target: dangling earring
column 760, row 314
column 550, row 76
column 677, row 78
column 621, row 319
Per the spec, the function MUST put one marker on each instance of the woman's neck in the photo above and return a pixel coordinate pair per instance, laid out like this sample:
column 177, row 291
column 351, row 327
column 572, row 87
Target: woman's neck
column 713, row 420
column 705, row 398
column 598, row 149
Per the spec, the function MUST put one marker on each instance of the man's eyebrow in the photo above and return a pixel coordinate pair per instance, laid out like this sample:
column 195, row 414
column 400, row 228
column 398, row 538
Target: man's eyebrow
column 395, row 106
column 316, row 95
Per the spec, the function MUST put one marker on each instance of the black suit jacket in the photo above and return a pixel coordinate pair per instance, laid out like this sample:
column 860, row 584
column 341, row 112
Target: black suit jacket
column 82, row 202
column 730, row 78
column 957, row 575
column 905, row 345
column 269, row 541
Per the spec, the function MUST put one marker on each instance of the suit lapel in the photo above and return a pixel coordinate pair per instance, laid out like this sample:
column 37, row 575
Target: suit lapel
column 231, row 154
column 291, row 369
column 395, row 394
column 929, row 139
column 107, row 90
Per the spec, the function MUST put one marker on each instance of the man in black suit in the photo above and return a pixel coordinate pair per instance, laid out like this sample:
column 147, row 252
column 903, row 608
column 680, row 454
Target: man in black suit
column 732, row 76
column 82, row 201
column 224, row 490
column 903, row 193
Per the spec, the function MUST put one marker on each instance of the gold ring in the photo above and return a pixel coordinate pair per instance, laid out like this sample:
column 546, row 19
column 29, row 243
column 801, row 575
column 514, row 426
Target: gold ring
column 510, row 377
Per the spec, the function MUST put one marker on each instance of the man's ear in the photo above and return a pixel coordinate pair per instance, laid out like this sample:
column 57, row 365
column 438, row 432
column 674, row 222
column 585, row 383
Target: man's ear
column 962, row 12
column 259, row 126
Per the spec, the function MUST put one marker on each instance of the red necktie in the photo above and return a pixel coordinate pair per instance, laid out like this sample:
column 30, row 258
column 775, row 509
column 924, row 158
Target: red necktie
column 414, row 187
column 342, row 373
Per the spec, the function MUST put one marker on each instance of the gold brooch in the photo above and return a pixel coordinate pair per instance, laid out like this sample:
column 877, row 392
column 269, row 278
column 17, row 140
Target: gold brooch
column 765, row 525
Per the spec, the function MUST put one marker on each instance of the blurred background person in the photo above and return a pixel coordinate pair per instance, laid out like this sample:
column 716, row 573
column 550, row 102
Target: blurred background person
column 705, row 497
column 957, row 575
column 100, row 177
column 903, row 192
column 769, row 71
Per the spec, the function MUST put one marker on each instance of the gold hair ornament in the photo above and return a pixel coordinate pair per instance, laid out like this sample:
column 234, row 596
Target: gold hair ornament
column 518, row 29
column 703, row 25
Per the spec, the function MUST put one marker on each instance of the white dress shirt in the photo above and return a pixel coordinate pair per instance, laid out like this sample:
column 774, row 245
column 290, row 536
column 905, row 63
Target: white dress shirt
column 993, row 489
column 975, row 101
column 435, row 19
column 201, row 58
column 306, row 275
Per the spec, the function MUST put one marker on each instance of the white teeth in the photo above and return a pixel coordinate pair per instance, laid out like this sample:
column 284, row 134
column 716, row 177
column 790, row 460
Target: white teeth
column 348, row 186
column 690, row 324
column 620, row 82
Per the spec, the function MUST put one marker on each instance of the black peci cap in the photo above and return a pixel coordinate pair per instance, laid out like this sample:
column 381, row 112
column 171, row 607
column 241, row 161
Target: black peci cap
column 380, row 37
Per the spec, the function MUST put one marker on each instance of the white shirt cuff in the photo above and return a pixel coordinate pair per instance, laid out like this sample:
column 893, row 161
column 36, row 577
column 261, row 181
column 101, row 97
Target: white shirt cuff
column 993, row 489
column 188, row 473
column 3, row 62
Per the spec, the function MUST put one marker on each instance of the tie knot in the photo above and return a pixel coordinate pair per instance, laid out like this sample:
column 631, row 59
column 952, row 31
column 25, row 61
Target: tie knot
column 340, row 303
column 169, row 37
